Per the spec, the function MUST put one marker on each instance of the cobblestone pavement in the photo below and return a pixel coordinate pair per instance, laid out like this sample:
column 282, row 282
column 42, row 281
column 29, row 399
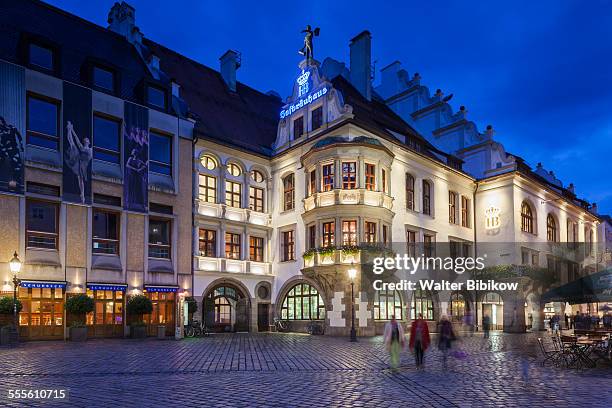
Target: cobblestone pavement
column 292, row 370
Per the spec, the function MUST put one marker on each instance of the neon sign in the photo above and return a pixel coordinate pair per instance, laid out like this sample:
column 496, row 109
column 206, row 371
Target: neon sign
column 303, row 102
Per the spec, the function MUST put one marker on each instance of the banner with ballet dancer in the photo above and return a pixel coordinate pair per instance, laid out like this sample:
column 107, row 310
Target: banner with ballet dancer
column 77, row 144
column 136, row 158
column 12, row 127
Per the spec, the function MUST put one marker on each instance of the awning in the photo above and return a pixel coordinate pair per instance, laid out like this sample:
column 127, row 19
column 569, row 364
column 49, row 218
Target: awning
column 107, row 286
column 158, row 288
column 42, row 284
column 588, row 289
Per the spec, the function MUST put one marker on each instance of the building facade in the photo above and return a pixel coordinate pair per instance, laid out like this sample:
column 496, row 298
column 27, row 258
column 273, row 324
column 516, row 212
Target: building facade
column 133, row 169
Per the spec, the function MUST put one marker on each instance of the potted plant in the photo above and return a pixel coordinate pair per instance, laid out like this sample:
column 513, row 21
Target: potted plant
column 78, row 306
column 6, row 317
column 136, row 307
column 326, row 253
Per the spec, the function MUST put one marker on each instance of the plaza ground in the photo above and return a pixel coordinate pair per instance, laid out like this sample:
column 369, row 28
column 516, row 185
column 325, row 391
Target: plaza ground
column 292, row 370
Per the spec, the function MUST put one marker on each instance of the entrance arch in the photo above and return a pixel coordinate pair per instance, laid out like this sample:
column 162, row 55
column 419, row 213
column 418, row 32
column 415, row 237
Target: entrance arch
column 226, row 308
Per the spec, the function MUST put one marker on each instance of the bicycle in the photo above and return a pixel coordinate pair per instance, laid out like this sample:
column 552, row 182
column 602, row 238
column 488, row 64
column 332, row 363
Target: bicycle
column 315, row 327
column 195, row 329
column 281, row 325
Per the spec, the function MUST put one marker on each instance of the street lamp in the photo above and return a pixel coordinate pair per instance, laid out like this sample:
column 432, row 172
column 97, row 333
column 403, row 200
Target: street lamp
column 352, row 273
column 15, row 266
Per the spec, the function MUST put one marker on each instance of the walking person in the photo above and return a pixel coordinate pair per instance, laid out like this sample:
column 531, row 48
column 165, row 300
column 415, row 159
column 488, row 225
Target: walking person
column 394, row 341
column 486, row 325
column 419, row 339
column 447, row 336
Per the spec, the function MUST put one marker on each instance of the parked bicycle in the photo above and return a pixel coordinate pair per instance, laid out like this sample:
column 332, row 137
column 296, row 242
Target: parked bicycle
column 281, row 325
column 195, row 329
column 315, row 327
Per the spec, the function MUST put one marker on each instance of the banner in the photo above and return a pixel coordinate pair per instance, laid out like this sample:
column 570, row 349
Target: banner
column 12, row 127
column 77, row 144
column 136, row 158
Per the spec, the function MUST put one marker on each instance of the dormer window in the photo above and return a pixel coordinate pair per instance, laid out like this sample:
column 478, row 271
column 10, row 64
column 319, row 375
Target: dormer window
column 298, row 127
column 317, row 118
column 103, row 78
column 156, row 97
column 41, row 56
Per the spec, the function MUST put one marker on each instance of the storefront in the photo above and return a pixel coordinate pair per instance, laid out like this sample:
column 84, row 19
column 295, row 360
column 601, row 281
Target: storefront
column 108, row 317
column 42, row 315
column 164, row 307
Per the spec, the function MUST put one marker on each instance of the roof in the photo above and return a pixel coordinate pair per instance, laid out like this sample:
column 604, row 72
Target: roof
column 246, row 118
column 76, row 40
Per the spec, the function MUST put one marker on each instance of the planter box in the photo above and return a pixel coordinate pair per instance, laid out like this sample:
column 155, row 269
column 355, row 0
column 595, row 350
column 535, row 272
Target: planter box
column 161, row 332
column 78, row 333
column 138, row 332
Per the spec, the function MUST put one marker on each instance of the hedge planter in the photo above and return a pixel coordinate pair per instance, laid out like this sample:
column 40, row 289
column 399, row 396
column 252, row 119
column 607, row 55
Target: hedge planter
column 78, row 333
column 138, row 331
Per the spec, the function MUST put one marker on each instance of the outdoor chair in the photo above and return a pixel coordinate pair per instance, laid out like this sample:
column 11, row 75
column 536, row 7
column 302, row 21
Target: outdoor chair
column 549, row 355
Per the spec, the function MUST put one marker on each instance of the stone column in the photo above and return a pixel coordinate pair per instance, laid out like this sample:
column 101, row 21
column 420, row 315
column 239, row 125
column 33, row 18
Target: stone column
column 514, row 314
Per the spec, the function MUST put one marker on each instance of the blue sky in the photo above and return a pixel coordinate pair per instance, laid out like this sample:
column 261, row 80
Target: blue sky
column 539, row 72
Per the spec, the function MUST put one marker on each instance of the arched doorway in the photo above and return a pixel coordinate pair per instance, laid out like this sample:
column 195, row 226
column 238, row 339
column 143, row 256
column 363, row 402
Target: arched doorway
column 493, row 306
column 226, row 309
column 459, row 306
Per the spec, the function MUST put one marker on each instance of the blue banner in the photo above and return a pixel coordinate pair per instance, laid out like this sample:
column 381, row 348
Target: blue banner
column 12, row 127
column 136, row 158
column 77, row 144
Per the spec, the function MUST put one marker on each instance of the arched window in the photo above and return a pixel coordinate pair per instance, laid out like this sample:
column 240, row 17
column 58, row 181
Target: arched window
column 257, row 176
column 551, row 228
column 303, row 302
column 289, row 192
column 426, row 197
column 422, row 303
column 209, row 162
column 409, row 192
column 526, row 218
column 234, row 169
column 458, row 306
column 387, row 303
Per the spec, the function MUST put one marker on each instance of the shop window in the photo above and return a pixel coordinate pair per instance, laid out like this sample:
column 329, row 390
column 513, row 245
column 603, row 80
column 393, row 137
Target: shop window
column 303, row 302
column 105, row 232
column 42, row 122
column 160, row 153
column 387, row 303
column 107, row 139
column 159, row 238
column 208, row 242
column 41, row 224
column 108, row 308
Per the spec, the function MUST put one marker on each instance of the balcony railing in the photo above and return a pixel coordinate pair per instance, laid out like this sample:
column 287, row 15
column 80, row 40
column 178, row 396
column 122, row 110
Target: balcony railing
column 354, row 196
column 238, row 266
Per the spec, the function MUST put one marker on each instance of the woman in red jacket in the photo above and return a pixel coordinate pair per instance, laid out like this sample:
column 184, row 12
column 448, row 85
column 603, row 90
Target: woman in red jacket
column 419, row 339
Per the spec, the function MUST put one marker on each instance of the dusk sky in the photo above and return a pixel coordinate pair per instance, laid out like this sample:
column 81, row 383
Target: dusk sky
column 539, row 72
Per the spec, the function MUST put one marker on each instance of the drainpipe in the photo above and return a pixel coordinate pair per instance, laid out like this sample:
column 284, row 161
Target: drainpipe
column 475, row 254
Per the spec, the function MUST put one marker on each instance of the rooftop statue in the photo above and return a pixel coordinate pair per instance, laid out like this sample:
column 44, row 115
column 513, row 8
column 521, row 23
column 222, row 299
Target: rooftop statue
column 307, row 50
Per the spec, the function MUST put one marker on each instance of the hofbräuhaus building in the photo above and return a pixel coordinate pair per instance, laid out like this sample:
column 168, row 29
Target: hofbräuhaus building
column 134, row 169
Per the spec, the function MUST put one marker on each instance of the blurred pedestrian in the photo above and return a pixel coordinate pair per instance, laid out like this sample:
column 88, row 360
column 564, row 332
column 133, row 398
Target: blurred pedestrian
column 419, row 339
column 394, row 341
column 486, row 325
column 447, row 336
column 468, row 320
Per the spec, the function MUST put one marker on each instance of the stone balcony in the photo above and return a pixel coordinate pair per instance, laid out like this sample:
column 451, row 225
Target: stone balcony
column 233, row 266
column 342, row 256
column 217, row 210
column 343, row 197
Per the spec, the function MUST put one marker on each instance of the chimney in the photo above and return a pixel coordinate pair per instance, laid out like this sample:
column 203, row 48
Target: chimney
column 361, row 63
column 122, row 20
column 389, row 80
column 230, row 62
column 594, row 208
column 571, row 188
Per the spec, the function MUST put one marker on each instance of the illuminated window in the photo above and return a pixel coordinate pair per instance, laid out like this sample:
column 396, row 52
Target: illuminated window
column 409, row 192
column 234, row 169
column 328, row 177
column 159, row 238
column 312, row 183
column 551, row 228
column 303, row 302
column 349, row 232
column 257, row 176
column 208, row 188
column 105, row 229
column 256, row 200
column 422, row 304
column 370, row 177
column 370, row 232
column 256, row 248
column 426, row 197
column 526, row 218
column 387, row 303
column 328, row 234
column 289, row 192
column 457, row 306
column 208, row 162
column 349, row 175
column 232, row 246
column 233, row 194
column 208, row 242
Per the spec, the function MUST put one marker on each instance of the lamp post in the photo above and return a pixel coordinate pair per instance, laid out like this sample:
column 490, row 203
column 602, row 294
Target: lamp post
column 352, row 273
column 15, row 266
